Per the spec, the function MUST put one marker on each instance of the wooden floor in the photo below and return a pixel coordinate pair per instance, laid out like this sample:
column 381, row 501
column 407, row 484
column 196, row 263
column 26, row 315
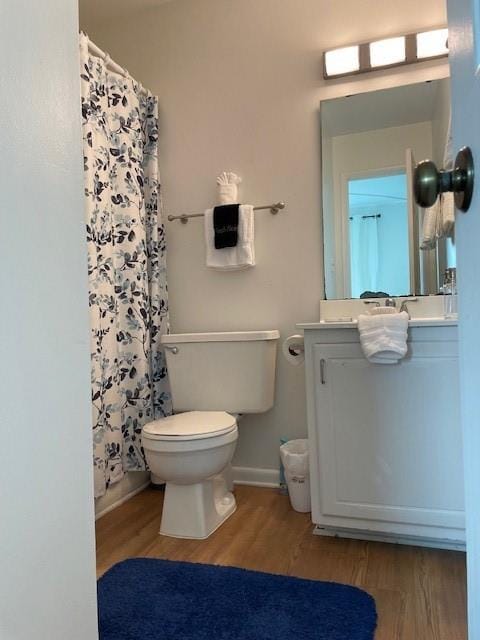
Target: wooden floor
column 420, row 593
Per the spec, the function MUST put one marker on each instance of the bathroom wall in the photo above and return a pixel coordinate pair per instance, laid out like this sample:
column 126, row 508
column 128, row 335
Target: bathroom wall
column 131, row 483
column 47, row 546
column 240, row 83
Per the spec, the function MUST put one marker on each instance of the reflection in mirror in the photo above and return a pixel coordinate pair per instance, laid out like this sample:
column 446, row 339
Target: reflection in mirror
column 373, row 230
column 378, row 230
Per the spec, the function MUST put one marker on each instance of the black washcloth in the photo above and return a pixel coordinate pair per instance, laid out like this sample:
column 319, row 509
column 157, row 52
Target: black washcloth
column 225, row 225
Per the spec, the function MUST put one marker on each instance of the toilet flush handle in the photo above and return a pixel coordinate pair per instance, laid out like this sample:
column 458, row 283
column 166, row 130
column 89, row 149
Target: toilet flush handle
column 171, row 348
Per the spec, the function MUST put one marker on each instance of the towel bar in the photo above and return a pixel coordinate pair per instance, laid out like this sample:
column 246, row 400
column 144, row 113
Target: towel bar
column 274, row 209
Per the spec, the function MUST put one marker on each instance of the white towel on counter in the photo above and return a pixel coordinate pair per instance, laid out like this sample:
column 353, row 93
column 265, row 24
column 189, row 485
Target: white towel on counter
column 384, row 337
column 242, row 256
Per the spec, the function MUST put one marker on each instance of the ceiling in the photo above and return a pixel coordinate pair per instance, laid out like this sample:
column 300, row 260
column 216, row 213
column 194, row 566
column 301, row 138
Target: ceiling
column 96, row 11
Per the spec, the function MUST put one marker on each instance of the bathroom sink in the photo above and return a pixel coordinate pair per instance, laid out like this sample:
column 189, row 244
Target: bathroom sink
column 382, row 311
column 419, row 308
column 424, row 311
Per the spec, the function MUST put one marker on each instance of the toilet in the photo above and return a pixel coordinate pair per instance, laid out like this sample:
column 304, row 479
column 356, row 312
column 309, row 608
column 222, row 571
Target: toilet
column 214, row 378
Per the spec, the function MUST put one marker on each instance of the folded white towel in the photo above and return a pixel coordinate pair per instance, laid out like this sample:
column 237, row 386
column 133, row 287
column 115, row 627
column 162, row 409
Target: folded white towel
column 227, row 188
column 384, row 337
column 232, row 258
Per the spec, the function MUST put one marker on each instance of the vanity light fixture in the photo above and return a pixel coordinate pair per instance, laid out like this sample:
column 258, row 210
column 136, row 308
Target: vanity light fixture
column 385, row 53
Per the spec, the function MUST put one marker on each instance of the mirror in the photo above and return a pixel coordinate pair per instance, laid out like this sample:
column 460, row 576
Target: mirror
column 373, row 229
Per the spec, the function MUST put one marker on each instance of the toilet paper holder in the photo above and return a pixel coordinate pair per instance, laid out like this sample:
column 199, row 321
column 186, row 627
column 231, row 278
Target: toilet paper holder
column 294, row 349
column 297, row 350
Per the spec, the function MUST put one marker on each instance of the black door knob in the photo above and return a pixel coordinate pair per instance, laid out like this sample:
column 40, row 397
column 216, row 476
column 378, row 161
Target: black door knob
column 429, row 182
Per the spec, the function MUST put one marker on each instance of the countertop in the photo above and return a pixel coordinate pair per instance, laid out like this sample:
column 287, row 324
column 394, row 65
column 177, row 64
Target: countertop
column 352, row 324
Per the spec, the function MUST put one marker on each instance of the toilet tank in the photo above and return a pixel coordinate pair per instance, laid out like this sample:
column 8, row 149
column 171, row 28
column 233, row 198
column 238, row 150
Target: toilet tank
column 228, row 371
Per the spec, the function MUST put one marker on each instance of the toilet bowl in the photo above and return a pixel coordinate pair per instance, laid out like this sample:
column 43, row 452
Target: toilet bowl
column 213, row 377
column 190, row 451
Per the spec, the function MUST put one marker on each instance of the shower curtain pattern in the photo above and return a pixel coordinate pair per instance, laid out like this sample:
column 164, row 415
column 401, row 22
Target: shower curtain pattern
column 126, row 267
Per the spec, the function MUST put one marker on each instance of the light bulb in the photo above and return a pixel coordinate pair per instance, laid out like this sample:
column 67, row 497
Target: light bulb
column 389, row 51
column 432, row 43
column 345, row 60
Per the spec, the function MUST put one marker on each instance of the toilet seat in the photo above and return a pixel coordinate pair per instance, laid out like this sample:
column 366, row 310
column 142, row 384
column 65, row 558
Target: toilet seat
column 191, row 425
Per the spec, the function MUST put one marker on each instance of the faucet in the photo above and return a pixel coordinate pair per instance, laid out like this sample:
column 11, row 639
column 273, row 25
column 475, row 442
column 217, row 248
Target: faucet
column 404, row 306
column 389, row 302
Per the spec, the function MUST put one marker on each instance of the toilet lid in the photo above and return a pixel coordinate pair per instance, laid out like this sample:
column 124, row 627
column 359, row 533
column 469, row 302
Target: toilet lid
column 191, row 425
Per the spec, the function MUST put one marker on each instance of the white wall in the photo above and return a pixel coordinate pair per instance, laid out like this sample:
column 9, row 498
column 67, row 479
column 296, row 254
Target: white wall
column 131, row 483
column 240, row 83
column 47, row 581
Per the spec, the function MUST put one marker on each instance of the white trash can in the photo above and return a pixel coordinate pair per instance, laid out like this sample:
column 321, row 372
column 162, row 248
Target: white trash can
column 294, row 455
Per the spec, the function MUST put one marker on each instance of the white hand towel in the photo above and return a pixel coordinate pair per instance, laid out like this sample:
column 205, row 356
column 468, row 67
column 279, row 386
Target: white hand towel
column 231, row 258
column 384, row 337
column 438, row 221
column 448, row 214
column 431, row 223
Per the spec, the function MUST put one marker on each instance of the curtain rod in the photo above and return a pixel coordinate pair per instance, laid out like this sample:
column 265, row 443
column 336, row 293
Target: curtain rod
column 110, row 64
column 274, row 209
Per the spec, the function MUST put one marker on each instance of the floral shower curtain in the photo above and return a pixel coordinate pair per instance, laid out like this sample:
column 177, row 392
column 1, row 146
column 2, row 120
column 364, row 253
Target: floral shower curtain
column 126, row 266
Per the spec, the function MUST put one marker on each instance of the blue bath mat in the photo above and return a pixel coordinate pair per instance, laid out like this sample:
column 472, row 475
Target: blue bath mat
column 149, row 599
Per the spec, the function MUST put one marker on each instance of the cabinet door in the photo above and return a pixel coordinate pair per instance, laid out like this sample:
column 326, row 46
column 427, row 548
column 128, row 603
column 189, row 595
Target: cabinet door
column 388, row 436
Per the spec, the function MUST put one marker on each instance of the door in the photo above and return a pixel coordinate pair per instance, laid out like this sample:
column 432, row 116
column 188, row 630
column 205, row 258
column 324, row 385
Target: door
column 47, row 545
column 464, row 43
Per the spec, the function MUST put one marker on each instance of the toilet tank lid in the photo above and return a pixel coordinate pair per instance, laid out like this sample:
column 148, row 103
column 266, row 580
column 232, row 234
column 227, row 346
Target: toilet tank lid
column 191, row 424
column 222, row 336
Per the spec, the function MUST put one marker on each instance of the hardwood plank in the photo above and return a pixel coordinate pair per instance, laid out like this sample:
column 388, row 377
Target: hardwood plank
column 391, row 613
column 420, row 593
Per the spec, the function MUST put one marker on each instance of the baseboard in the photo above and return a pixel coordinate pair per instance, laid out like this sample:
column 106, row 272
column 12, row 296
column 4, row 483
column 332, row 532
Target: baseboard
column 256, row 477
column 123, row 496
column 241, row 475
column 416, row 541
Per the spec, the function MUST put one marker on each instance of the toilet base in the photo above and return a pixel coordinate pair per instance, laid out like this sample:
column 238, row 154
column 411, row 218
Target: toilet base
column 195, row 511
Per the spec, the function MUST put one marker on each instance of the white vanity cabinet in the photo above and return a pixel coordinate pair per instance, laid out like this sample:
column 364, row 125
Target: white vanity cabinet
column 385, row 440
